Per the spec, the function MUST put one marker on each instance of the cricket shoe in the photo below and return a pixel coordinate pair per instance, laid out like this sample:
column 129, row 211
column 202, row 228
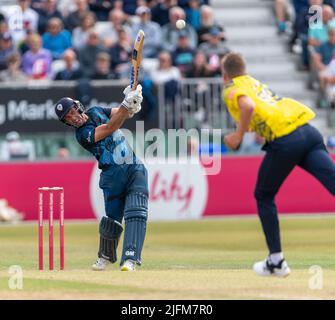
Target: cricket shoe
column 266, row 268
column 128, row 265
column 100, row 264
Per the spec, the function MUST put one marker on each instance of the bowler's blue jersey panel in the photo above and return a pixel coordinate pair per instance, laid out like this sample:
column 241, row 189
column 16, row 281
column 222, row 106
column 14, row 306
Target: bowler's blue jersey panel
column 109, row 151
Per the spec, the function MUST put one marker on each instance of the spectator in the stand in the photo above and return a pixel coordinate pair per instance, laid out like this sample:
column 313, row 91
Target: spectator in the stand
column 36, row 62
column 322, row 71
column 170, row 31
column 324, row 54
column 327, row 85
column 185, row 3
column 118, row 4
column 117, row 19
column 29, row 16
column 167, row 75
column 165, row 71
column 16, row 149
column 37, row 5
column 152, row 32
column 160, row 12
column 3, row 26
column 2, row 17
column 66, row 7
column 56, row 39
column 13, row 72
column 320, row 58
column 74, row 18
column 182, row 57
column 129, row 6
column 87, row 54
column 318, row 34
column 149, row 3
column 101, row 8
column 280, row 9
column 299, row 8
column 49, row 11
column 214, row 50
column 29, row 19
column 193, row 16
column 103, row 67
column 207, row 23
column 23, row 46
column 200, row 67
column 6, row 49
column 121, row 54
column 324, row 64
column 302, row 25
column 72, row 69
column 80, row 34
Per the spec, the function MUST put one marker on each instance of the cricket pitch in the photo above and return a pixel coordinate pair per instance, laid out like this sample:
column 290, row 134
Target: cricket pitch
column 208, row 259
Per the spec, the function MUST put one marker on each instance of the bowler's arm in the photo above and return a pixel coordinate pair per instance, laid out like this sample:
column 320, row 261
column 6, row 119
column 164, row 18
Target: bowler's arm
column 247, row 107
column 117, row 118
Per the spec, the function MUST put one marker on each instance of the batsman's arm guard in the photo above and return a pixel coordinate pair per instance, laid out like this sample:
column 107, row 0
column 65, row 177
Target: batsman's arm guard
column 110, row 231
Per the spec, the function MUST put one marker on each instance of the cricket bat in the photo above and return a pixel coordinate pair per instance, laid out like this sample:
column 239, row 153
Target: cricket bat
column 136, row 59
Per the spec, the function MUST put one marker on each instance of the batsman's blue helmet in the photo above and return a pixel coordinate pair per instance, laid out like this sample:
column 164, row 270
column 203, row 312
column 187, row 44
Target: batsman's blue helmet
column 64, row 105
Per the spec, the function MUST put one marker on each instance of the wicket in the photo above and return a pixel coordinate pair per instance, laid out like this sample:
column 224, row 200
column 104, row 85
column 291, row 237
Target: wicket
column 50, row 192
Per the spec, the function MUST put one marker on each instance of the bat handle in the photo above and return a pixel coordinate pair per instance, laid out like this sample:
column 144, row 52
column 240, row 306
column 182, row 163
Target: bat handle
column 134, row 78
column 133, row 82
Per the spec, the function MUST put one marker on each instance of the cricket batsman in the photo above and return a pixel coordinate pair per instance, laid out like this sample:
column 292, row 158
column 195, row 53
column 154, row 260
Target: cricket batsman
column 290, row 141
column 123, row 179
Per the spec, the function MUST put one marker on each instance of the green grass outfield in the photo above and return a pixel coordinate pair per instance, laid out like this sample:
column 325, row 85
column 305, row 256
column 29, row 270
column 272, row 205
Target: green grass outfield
column 209, row 259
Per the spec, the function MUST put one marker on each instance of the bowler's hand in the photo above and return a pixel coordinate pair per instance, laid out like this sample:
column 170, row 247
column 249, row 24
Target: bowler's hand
column 233, row 140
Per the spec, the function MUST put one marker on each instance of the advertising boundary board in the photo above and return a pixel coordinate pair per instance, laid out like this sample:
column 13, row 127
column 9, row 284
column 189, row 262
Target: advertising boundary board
column 178, row 192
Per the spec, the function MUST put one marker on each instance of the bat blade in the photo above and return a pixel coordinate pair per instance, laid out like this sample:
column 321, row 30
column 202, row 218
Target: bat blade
column 136, row 59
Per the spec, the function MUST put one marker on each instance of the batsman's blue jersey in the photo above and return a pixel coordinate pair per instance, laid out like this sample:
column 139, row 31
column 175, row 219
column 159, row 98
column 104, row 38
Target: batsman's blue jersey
column 110, row 151
column 123, row 174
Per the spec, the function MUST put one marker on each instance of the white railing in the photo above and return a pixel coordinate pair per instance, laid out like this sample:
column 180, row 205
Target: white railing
column 197, row 104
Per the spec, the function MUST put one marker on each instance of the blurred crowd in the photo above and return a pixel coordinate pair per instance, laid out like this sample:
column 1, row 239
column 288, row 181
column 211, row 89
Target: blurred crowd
column 93, row 39
column 312, row 37
column 310, row 27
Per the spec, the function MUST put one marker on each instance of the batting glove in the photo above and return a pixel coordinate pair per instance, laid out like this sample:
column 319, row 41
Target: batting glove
column 133, row 99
